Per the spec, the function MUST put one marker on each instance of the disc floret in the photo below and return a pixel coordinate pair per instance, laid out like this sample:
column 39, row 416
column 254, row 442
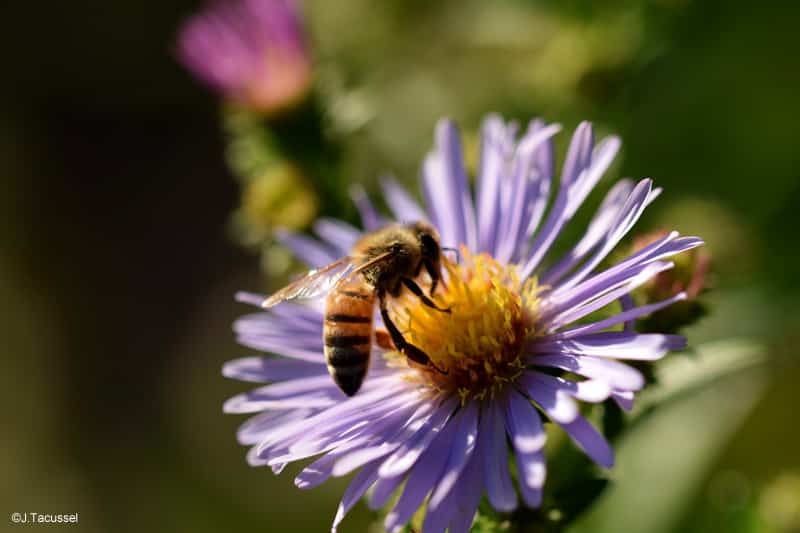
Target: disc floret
column 479, row 344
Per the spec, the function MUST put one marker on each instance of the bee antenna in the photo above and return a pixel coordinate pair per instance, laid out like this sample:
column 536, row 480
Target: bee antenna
column 449, row 249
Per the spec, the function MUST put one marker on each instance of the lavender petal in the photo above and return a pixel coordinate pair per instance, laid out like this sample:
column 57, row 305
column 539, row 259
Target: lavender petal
column 422, row 478
column 625, row 316
column 341, row 236
column 590, row 441
column 265, row 369
column 311, row 252
column 555, row 402
column 370, row 218
column 492, row 431
column 616, row 374
column 615, row 344
column 532, row 471
column 463, row 447
column 363, row 480
column 403, row 206
column 523, row 424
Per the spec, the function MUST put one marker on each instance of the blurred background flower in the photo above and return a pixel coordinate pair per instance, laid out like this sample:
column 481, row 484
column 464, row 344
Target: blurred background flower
column 254, row 52
column 118, row 268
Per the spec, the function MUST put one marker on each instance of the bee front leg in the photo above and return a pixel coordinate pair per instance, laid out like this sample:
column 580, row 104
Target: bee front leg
column 403, row 346
column 435, row 276
column 413, row 287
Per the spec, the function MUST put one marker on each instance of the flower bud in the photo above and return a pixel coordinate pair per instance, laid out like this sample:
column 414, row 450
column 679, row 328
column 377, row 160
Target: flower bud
column 253, row 52
column 278, row 197
column 689, row 275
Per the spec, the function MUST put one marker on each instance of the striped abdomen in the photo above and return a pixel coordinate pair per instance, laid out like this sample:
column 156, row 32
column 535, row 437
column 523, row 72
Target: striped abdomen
column 347, row 334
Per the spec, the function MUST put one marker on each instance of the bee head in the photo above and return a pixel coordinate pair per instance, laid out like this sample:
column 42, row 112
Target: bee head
column 428, row 240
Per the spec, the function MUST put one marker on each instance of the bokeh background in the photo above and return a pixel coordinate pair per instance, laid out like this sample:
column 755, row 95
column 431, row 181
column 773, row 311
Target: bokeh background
column 119, row 256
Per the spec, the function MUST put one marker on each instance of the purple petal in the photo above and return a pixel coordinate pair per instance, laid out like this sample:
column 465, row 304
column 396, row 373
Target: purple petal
column 523, row 424
column 492, row 431
column 363, row 480
column 401, row 460
column 391, row 442
column 580, row 174
column 496, row 147
column 269, row 343
column 579, row 154
column 436, row 520
column 249, row 298
column 466, row 498
column 625, row 316
column 559, row 212
column 625, row 219
column 532, row 472
column 616, row 374
column 459, row 505
column 598, row 228
column 555, row 402
column 347, row 435
column 370, row 218
column 360, row 420
column 544, row 159
column 615, row 344
column 626, row 303
column 578, row 307
column 311, row 252
column 320, row 470
column 284, row 319
column 383, row 490
column 594, row 391
column 253, row 430
column 661, row 249
column 373, row 391
column 590, row 441
column 422, row 478
column 624, row 399
column 253, row 459
column 264, row 369
column 306, row 392
column 445, row 181
column 340, row 235
column 514, row 222
column 298, row 315
column 463, row 446
column 403, row 206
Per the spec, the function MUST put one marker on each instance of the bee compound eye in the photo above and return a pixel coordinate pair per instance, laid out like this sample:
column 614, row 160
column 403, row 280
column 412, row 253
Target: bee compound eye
column 429, row 246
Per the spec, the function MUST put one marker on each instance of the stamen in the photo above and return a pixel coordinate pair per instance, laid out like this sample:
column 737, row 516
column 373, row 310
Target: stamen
column 480, row 342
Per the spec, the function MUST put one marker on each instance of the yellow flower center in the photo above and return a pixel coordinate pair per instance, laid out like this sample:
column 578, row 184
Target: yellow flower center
column 478, row 345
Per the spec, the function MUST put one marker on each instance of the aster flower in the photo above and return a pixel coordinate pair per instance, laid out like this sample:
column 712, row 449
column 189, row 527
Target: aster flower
column 519, row 344
column 254, row 52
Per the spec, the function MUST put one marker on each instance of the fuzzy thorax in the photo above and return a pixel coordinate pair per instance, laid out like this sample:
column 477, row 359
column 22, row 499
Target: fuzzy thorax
column 479, row 344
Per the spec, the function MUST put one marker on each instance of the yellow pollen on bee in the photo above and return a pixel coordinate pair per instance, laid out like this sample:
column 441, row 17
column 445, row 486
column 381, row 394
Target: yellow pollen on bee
column 480, row 342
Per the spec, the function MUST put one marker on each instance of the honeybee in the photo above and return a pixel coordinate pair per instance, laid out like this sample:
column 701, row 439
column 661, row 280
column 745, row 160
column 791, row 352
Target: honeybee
column 382, row 264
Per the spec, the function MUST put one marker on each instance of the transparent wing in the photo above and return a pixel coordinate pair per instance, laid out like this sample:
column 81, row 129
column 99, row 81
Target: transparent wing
column 314, row 283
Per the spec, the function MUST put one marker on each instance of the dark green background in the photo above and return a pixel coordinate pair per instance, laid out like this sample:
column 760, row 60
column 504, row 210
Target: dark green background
column 118, row 268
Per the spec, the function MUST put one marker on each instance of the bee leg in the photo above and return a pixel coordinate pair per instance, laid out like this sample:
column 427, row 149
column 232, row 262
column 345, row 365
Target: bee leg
column 383, row 339
column 435, row 276
column 403, row 346
column 413, row 287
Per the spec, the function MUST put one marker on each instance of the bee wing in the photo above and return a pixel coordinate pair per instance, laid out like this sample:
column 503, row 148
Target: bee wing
column 374, row 261
column 314, row 283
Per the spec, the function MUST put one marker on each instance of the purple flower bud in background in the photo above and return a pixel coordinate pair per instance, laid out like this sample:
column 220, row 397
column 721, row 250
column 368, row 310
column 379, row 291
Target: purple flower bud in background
column 254, row 52
column 690, row 276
